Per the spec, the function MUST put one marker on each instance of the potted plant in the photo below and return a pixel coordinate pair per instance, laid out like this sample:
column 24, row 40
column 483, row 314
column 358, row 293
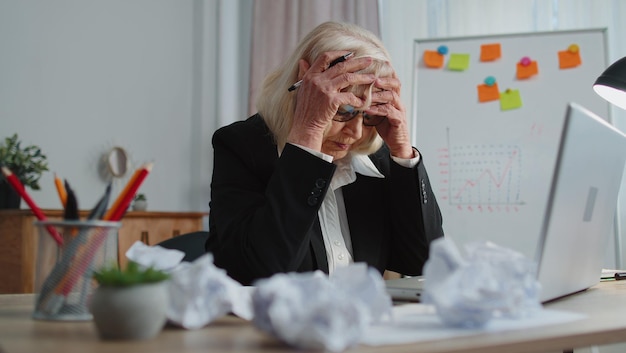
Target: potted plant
column 130, row 303
column 26, row 162
column 140, row 202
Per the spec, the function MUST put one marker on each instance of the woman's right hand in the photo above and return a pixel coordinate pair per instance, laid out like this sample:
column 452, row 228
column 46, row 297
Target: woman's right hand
column 320, row 95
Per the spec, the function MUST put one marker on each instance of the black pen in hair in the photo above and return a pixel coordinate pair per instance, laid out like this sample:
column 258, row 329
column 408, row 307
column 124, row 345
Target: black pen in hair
column 332, row 63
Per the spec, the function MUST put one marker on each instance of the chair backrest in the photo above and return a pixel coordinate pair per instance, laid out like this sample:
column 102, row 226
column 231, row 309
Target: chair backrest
column 192, row 244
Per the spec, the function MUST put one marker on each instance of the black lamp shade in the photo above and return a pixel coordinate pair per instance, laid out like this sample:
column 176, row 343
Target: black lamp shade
column 611, row 85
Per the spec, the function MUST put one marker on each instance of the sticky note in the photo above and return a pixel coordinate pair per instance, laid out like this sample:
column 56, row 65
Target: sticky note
column 488, row 93
column 433, row 59
column 459, row 62
column 510, row 99
column 570, row 58
column 526, row 71
column 490, row 52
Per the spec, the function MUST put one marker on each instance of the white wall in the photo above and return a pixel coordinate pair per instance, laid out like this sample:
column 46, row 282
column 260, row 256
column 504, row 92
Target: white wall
column 78, row 77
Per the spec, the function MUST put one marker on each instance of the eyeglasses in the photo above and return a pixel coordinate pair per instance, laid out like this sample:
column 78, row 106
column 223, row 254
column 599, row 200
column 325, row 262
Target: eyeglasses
column 347, row 112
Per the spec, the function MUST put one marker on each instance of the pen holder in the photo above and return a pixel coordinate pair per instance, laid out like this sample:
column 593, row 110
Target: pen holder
column 63, row 273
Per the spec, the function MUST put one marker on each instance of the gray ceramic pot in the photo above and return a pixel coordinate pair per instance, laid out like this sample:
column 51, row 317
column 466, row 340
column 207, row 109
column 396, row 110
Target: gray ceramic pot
column 130, row 313
column 140, row 205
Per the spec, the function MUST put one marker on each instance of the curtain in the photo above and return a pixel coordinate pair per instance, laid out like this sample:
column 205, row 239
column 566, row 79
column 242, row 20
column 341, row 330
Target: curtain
column 221, row 55
column 278, row 25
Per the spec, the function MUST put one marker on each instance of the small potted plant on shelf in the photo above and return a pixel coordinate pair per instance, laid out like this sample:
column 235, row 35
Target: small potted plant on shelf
column 140, row 202
column 27, row 163
column 131, row 303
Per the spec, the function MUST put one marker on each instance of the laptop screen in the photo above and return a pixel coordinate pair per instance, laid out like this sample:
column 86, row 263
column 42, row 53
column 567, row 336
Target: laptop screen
column 581, row 206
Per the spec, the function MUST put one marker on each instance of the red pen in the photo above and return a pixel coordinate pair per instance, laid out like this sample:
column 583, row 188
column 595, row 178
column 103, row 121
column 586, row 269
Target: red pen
column 17, row 185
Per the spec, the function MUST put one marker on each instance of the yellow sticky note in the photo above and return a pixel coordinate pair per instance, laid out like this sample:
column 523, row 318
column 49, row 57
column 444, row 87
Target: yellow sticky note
column 458, row 62
column 433, row 59
column 488, row 93
column 510, row 99
column 490, row 52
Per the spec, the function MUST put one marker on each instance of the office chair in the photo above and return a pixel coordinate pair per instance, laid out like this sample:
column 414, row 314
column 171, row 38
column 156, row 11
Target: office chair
column 192, row 244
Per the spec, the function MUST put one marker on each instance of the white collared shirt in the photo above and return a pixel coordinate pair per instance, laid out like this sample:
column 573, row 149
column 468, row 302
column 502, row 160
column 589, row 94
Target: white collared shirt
column 332, row 213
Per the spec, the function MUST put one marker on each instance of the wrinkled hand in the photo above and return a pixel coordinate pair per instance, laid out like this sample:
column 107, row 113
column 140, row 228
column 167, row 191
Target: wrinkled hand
column 320, row 95
column 394, row 130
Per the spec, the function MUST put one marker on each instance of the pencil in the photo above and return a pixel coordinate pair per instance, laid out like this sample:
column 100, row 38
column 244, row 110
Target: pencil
column 71, row 204
column 332, row 63
column 60, row 190
column 71, row 207
column 17, row 185
column 120, row 197
column 86, row 254
column 79, row 259
column 100, row 208
column 126, row 198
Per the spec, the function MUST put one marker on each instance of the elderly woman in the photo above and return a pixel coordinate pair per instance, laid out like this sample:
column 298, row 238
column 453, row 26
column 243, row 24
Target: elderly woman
column 324, row 175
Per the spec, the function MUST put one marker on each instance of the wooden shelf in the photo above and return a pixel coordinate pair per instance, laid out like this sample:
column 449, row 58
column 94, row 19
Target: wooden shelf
column 18, row 239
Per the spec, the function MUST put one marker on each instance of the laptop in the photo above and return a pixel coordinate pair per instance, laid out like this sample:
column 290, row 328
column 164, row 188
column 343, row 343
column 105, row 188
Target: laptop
column 579, row 213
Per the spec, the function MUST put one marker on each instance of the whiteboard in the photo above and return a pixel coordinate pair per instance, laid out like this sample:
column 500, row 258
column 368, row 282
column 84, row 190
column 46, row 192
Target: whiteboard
column 490, row 165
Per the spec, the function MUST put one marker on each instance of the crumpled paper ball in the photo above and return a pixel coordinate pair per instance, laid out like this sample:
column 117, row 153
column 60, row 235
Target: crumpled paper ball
column 199, row 292
column 155, row 256
column 488, row 281
column 315, row 311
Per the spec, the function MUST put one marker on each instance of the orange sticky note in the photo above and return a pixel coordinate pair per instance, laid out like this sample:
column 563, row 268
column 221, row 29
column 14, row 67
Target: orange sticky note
column 433, row 59
column 488, row 93
column 569, row 58
column 526, row 71
column 490, row 52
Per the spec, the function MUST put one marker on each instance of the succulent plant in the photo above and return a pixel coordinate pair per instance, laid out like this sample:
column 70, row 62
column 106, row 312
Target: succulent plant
column 113, row 276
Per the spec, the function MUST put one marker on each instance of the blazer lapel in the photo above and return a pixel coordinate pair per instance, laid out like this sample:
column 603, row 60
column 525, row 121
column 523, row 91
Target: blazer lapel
column 317, row 246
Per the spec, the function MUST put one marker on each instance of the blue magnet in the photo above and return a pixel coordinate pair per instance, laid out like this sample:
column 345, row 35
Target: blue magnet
column 490, row 81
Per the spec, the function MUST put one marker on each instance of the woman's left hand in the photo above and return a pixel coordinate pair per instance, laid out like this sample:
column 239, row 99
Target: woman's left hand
column 393, row 130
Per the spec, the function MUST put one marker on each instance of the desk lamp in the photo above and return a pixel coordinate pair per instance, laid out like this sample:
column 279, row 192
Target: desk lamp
column 611, row 85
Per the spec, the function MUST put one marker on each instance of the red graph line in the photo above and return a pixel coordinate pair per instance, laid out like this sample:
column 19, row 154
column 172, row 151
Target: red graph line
column 498, row 181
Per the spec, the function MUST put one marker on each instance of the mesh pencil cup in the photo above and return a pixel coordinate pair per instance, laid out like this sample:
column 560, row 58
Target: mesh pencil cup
column 63, row 274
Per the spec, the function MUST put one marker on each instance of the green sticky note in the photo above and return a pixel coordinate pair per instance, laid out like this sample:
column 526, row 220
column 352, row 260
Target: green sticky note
column 510, row 99
column 459, row 62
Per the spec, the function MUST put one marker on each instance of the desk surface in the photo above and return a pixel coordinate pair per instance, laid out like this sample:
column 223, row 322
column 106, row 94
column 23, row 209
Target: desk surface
column 604, row 305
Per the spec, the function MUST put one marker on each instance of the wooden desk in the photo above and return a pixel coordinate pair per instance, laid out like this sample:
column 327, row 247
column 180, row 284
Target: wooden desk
column 18, row 237
column 603, row 304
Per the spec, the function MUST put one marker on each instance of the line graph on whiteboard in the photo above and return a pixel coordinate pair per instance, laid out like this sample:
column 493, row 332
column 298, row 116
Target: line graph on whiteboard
column 481, row 177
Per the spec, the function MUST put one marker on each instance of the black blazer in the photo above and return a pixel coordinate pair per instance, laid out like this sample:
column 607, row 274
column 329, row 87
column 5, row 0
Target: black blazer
column 263, row 210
